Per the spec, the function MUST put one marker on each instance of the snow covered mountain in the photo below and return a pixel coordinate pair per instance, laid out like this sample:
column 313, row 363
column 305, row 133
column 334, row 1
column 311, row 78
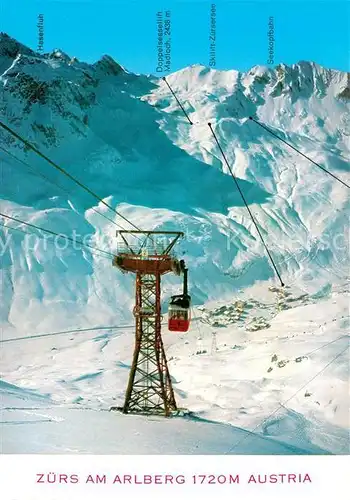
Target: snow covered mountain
column 124, row 136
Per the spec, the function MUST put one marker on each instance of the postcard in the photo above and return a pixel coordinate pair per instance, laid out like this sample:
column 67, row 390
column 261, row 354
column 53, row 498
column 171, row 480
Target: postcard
column 174, row 249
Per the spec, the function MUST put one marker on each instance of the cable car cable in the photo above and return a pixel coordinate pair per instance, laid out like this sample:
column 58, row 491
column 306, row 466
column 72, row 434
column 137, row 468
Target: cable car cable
column 80, row 330
column 63, row 188
column 11, row 228
column 53, row 233
column 36, row 172
column 246, row 205
column 63, row 171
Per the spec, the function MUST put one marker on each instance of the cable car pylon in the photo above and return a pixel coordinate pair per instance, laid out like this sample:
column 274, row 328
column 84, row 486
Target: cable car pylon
column 149, row 255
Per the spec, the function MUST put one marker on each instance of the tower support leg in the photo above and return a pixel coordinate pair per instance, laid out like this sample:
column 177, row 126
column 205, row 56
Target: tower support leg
column 149, row 389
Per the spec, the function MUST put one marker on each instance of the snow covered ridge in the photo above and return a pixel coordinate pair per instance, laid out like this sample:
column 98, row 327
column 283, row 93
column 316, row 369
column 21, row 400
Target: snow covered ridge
column 124, row 136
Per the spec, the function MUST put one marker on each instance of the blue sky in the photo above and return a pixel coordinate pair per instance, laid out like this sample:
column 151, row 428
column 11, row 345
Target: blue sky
column 126, row 30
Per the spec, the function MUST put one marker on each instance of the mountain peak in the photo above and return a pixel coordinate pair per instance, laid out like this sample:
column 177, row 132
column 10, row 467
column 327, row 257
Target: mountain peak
column 9, row 47
column 59, row 54
column 108, row 66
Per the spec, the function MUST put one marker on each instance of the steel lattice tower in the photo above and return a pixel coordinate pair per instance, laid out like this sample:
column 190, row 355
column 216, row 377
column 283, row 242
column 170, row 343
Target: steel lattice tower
column 149, row 389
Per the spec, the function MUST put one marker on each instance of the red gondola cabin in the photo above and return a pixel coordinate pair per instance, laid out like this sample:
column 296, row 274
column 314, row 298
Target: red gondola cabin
column 179, row 312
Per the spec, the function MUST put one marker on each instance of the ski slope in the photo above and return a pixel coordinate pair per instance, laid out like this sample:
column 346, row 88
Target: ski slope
column 82, row 375
column 32, row 424
column 124, row 136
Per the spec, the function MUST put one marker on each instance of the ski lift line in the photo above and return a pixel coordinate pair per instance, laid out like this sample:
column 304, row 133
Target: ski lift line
column 251, row 118
column 53, row 233
column 80, row 330
column 67, row 174
column 297, row 150
column 177, row 100
column 325, row 345
column 251, row 433
column 39, row 174
column 246, row 204
column 272, row 133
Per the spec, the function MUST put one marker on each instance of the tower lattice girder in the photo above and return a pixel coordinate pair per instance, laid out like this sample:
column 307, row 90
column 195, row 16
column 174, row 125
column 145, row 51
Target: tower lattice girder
column 149, row 389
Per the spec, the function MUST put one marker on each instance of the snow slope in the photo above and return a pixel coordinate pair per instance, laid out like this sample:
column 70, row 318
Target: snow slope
column 33, row 424
column 125, row 137
column 272, row 382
